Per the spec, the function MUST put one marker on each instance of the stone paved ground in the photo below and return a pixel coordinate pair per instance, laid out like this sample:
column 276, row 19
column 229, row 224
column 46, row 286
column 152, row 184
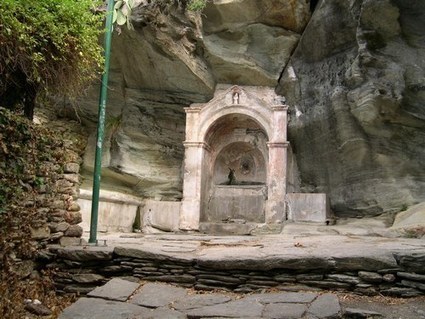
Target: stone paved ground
column 121, row 299
column 159, row 300
column 299, row 246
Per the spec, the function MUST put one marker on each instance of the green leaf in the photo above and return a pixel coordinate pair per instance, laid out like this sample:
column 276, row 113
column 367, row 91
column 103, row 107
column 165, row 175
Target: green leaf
column 118, row 4
column 121, row 18
column 114, row 16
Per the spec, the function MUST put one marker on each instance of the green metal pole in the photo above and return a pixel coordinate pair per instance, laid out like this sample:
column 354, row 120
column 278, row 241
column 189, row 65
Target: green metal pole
column 101, row 125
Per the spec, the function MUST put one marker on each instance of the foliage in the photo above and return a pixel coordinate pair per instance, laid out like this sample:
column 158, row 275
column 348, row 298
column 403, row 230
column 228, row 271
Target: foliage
column 24, row 149
column 47, row 45
column 197, row 5
column 122, row 12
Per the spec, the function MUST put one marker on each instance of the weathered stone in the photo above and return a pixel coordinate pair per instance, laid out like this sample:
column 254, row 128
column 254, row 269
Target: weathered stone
column 217, row 283
column 325, row 306
column 284, row 311
column 262, row 283
column 173, row 278
column 96, row 308
column 413, row 284
column 55, row 236
column 153, row 295
column 38, row 309
column 355, row 109
column 413, row 261
column 370, row 276
column 84, row 254
column 284, row 278
column 74, row 207
column 354, row 313
column 74, row 231
column 411, row 276
column 326, row 284
column 63, row 185
column 71, row 241
column 344, row 278
column 58, row 227
column 227, row 279
column 283, row 297
column 367, row 291
column 223, row 15
column 73, row 178
column 197, row 301
column 40, row 232
column 24, row 268
column 256, row 42
column 163, row 313
column 401, row 292
column 388, row 278
column 116, row 289
column 144, row 254
column 73, row 217
column 309, row 277
column 116, row 269
column 361, row 261
column 411, row 222
column 77, row 289
column 238, row 309
column 87, row 278
column 71, row 168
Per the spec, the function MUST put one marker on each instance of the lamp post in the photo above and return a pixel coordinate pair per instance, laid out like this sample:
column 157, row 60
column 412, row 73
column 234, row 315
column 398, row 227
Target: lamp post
column 101, row 124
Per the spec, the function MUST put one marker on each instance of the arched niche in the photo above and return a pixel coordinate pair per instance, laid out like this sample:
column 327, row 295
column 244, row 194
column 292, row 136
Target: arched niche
column 241, row 130
column 240, row 163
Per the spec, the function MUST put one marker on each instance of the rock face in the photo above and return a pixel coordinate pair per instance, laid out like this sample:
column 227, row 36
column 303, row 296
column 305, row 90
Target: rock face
column 170, row 61
column 353, row 78
column 355, row 85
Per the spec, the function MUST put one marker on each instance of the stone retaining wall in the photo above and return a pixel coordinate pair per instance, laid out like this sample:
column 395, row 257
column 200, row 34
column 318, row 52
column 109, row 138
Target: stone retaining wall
column 79, row 270
column 56, row 201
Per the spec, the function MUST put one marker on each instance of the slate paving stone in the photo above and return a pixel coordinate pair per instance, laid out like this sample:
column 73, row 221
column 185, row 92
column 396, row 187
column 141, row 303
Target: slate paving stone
column 115, row 289
column 325, row 306
column 233, row 309
column 94, row 308
column 283, row 297
column 155, row 295
column 160, row 313
column 354, row 313
column 284, row 310
column 198, row 301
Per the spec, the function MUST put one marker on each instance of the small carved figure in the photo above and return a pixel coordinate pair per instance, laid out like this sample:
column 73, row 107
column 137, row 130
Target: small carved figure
column 231, row 177
column 235, row 98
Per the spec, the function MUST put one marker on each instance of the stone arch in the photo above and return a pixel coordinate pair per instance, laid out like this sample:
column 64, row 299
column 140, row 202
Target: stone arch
column 249, row 124
column 207, row 121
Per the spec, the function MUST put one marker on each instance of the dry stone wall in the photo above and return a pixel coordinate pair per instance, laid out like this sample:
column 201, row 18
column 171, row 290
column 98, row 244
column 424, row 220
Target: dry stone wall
column 80, row 270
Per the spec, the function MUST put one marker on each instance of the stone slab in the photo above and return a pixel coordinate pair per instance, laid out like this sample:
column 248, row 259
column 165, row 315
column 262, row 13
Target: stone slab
column 284, row 311
column 305, row 207
column 116, row 289
column 201, row 300
column 160, row 313
column 95, row 308
column 232, row 309
column 325, row 306
column 283, row 297
column 162, row 215
column 155, row 295
column 84, row 253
